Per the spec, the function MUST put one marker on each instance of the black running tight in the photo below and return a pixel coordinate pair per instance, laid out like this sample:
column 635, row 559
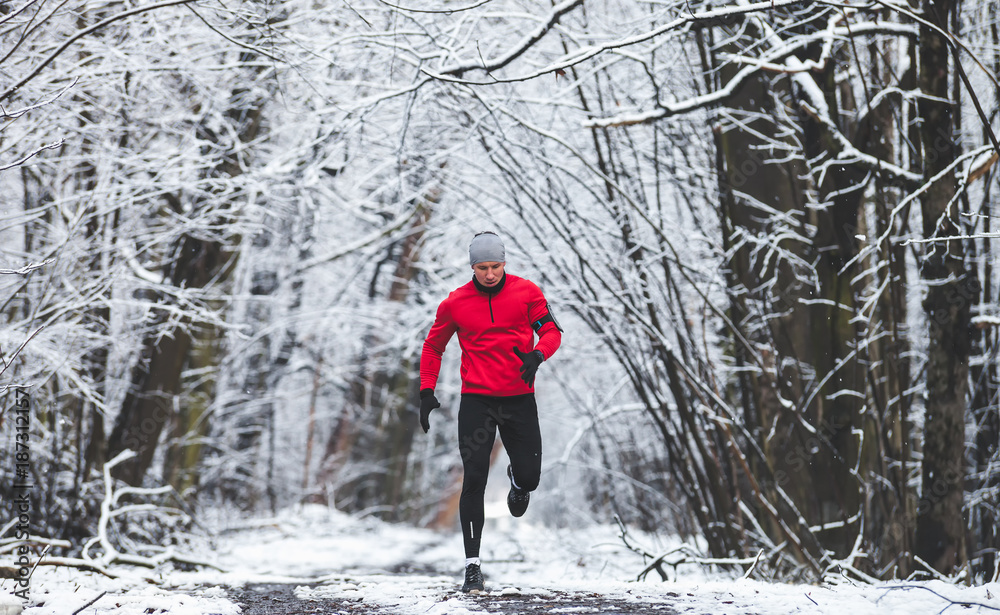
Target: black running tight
column 479, row 417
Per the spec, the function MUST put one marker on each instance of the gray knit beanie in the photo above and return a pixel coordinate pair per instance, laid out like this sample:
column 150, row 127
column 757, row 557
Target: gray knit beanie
column 486, row 247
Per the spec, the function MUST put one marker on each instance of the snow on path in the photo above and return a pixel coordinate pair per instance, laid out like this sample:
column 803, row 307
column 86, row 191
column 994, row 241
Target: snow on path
column 399, row 570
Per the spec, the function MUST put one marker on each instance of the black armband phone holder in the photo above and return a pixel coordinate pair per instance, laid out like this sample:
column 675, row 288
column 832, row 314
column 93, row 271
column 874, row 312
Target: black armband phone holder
column 538, row 324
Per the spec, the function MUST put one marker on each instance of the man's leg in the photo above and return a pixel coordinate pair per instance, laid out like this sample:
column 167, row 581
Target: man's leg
column 518, row 424
column 476, row 433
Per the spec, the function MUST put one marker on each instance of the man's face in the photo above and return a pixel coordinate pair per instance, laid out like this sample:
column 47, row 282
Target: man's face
column 488, row 274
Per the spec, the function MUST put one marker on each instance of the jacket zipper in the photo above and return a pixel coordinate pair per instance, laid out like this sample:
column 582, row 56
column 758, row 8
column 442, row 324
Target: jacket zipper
column 490, row 299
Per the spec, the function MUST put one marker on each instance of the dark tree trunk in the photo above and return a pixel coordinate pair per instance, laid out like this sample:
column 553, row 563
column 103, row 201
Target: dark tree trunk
column 803, row 327
column 952, row 287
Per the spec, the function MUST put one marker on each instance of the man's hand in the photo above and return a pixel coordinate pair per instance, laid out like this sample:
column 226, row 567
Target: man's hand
column 427, row 403
column 529, row 364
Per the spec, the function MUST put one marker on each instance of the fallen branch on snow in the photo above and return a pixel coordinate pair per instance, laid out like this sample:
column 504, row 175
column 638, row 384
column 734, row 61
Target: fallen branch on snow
column 11, row 572
column 962, row 603
column 687, row 555
column 110, row 510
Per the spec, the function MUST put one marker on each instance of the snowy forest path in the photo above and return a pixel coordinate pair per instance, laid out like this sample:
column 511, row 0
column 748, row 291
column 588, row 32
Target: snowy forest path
column 289, row 599
column 313, row 560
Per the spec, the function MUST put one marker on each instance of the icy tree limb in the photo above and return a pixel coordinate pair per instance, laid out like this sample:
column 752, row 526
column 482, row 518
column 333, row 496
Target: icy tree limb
column 769, row 63
column 447, row 11
column 753, row 564
column 7, row 363
column 977, row 168
column 254, row 48
column 957, row 45
column 12, row 115
column 17, row 163
column 521, row 47
column 637, row 549
column 30, row 266
column 849, row 154
column 10, row 544
column 847, row 564
column 874, row 246
column 716, row 15
column 931, row 569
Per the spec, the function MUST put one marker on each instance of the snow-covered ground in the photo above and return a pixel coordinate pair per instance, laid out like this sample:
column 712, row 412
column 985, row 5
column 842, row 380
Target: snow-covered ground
column 402, row 571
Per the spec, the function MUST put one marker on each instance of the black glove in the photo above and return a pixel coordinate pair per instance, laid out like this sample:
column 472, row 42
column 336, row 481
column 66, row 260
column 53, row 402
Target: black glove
column 427, row 403
column 529, row 364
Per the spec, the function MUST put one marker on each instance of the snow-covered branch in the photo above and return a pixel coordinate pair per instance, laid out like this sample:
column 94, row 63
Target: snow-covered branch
column 722, row 14
column 522, row 46
column 44, row 62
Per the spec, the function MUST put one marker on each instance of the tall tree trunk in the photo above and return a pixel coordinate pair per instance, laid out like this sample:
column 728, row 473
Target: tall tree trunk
column 889, row 517
column 148, row 404
column 188, row 430
column 952, row 287
column 986, row 381
column 802, row 317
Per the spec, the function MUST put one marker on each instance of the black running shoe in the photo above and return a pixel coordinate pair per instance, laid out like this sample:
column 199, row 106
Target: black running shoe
column 473, row 579
column 517, row 499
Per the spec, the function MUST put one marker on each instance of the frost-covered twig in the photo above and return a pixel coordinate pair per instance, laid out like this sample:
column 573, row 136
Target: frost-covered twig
column 9, row 544
column 718, row 14
column 951, row 603
column 99, row 596
column 847, row 564
column 529, row 41
column 10, row 571
column 687, row 555
column 751, row 67
column 446, row 11
column 637, row 549
column 26, row 158
column 7, row 363
column 753, row 565
column 933, row 571
column 11, row 115
column 883, row 239
column 30, row 266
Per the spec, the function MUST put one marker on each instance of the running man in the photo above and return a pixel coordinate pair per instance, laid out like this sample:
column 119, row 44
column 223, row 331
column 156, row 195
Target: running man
column 496, row 316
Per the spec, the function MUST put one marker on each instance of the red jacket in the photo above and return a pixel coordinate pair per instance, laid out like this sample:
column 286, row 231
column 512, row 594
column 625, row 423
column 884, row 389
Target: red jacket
column 489, row 325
